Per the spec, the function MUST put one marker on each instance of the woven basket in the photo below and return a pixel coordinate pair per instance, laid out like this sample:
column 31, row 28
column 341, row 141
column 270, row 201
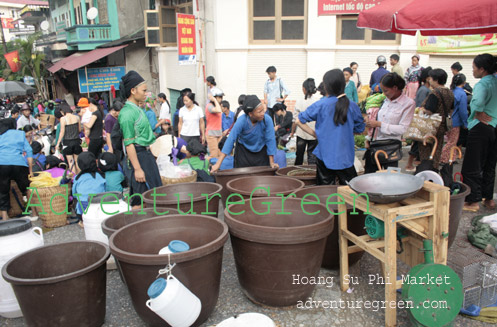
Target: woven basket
column 189, row 179
column 50, row 219
column 15, row 210
column 46, row 119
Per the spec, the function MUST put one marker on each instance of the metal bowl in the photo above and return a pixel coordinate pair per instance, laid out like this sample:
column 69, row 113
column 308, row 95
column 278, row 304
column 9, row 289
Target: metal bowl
column 387, row 187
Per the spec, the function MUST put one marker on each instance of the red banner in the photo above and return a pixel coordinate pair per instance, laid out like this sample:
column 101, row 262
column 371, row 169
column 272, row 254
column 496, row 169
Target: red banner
column 13, row 60
column 7, row 23
column 187, row 49
column 339, row 7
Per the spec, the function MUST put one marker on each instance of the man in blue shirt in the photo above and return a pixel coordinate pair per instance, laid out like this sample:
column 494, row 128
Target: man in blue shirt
column 378, row 74
column 228, row 116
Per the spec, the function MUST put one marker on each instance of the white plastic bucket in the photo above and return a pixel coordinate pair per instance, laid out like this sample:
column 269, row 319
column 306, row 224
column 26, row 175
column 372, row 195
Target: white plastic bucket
column 16, row 239
column 173, row 302
column 95, row 215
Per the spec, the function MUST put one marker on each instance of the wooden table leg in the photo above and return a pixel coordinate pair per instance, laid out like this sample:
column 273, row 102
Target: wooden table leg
column 390, row 269
column 343, row 246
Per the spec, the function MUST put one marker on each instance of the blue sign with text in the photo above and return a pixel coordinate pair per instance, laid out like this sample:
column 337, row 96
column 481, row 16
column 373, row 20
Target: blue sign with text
column 100, row 79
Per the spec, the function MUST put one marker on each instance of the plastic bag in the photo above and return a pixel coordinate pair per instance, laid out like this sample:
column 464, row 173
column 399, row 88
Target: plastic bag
column 43, row 179
column 169, row 170
column 292, row 144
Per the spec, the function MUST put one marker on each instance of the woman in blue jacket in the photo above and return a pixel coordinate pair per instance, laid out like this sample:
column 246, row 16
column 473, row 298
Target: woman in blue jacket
column 13, row 144
column 337, row 119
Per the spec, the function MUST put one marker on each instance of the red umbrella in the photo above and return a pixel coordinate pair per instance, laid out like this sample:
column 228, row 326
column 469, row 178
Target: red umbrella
column 432, row 17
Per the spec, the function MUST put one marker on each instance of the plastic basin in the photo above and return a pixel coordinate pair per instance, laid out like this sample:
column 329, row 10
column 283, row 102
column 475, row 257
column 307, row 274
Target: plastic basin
column 355, row 224
column 307, row 179
column 270, row 250
column 187, row 197
column 136, row 247
column 268, row 186
column 61, row 284
column 224, row 176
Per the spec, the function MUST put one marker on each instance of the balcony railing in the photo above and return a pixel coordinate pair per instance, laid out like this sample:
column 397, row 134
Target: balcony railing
column 87, row 37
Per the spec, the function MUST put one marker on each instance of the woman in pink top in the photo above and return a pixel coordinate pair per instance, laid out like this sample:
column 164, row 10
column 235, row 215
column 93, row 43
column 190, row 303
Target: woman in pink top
column 213, row 116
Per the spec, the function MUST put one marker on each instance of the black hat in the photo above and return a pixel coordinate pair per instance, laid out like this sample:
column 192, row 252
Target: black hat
column 195, row 147
column 129, row 81
column 251, row 102
column 36, row 147
column 107, row 161
column 53, row 161
column 87, row 163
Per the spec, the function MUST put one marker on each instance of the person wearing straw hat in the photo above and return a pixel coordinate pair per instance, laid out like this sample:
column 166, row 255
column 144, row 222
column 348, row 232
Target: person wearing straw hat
column 27, row 118
column 137, row 138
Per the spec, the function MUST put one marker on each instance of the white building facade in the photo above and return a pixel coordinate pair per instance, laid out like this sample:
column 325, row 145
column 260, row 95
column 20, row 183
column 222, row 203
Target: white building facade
column 241, row 38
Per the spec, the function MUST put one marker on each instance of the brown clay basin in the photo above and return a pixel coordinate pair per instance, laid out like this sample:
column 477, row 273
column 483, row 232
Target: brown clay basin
column 200, row 198
column 224, row 176
column 271, row 249
column 355, row 224
column 136, row 247
column 115, row 222
column 263, row 186
column 305, row 173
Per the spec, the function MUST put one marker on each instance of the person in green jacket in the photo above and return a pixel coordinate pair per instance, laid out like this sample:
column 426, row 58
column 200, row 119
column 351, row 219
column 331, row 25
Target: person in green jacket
column 350, row 88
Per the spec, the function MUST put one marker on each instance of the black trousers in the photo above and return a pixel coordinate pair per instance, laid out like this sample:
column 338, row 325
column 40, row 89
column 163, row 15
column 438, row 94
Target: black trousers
column 246, row 158
column 149, row 166
column 7, row 173
column 302, row 144
column 478, row 167
column 327, row 176
column 95, row 146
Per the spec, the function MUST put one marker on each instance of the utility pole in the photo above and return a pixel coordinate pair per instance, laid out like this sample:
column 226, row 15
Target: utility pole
column 3, row 37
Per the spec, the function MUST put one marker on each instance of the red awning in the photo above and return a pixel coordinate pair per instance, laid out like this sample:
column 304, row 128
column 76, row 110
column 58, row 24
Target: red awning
column 79, row 59
column 440, row 17
column 58, row 65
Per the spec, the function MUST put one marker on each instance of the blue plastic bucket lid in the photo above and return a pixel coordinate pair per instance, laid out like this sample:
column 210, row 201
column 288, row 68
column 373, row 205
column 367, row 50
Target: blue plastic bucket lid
column 156, row 288
column 177, row 246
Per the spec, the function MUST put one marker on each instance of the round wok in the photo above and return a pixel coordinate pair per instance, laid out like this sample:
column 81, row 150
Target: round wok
column 387, row 187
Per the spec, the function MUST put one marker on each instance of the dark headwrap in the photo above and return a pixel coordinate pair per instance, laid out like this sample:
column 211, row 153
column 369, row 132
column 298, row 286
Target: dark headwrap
column 251, row 102
column 36, row 147
column 6, row 124
column 87, row 164
column 53, row 161
column 129, row 81
column 196, row 148
column 107, row 162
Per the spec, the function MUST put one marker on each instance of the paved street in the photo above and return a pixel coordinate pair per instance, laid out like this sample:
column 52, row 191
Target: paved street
column 232, row 301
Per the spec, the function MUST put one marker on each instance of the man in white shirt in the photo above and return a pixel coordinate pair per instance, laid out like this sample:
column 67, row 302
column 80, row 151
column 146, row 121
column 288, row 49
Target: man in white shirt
column 275, row 91
column 26, row 118
column 165, row 113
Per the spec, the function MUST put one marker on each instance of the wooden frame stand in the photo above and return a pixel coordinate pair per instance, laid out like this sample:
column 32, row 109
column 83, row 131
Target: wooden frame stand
column 424, row 215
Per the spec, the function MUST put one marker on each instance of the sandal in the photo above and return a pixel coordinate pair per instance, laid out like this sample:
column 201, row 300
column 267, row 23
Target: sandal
column 489, row 204
column 411, row 170
column 473, row 207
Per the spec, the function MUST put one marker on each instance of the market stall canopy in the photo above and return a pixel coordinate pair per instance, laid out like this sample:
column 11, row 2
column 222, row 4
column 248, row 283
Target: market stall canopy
column 15, row 88
column 77, row 60
column 439, row 17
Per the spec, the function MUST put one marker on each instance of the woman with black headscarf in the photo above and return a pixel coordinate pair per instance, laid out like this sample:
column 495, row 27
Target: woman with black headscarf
column 253, row 134
column 137, row 137
column 12, row 164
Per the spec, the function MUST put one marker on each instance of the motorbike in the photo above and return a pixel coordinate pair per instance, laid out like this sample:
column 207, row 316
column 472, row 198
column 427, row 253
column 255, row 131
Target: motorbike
column 46, row 137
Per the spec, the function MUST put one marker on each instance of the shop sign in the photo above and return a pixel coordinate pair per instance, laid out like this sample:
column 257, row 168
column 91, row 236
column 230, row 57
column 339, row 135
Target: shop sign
column 100, row 79
column 341, row 7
